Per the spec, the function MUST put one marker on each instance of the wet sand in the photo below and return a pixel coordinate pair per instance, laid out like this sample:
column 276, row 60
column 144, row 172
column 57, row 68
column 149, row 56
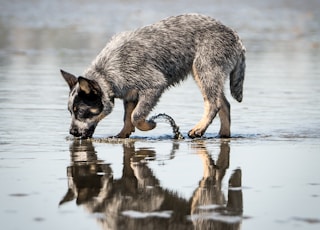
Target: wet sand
column 265, row 177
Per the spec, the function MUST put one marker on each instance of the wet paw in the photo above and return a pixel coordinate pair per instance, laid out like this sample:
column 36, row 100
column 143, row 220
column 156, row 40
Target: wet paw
column 122, row 135
column 194, row 133
column 152, row 124
column 224, row 134
column 125, row 132
column 145, row 125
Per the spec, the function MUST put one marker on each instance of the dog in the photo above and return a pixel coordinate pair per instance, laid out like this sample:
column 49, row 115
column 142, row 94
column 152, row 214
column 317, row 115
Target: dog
column 138, row 66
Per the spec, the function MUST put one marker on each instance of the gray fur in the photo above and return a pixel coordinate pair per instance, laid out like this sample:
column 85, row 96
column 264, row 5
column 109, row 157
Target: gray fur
column 138, row 66
column 237, row 78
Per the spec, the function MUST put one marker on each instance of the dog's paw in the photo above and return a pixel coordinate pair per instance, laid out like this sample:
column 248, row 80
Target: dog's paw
column 121, row 136
column 194, row 133
column 144, row 125
column 126, row 131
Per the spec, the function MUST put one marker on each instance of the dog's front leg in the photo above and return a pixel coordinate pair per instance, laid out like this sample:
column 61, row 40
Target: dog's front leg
column 146, row 102
column 128, row 127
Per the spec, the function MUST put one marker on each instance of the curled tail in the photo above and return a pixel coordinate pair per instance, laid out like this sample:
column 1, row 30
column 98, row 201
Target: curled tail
column 237, row 77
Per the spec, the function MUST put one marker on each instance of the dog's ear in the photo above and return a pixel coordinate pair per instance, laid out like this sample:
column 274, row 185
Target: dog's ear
column 89, row 86
column 70, row 79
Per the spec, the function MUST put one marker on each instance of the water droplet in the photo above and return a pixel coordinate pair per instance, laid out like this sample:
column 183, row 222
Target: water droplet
column 175, row 129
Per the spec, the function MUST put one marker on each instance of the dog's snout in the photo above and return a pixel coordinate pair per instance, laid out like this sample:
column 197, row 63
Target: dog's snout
column 82, row 133
column 75, row 132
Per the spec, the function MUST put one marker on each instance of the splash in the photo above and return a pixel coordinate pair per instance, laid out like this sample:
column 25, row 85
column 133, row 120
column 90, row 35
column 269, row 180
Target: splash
column 175, row 129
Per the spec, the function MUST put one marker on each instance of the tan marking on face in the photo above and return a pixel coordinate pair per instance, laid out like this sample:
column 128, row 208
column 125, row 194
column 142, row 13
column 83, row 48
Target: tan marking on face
column 94, row 110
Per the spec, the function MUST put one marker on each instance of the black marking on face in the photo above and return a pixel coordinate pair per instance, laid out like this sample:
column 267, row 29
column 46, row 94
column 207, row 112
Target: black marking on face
column 86, row 106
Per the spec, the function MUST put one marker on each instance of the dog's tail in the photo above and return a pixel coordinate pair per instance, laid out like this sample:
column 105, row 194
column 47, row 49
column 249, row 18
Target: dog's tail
column 237, row 77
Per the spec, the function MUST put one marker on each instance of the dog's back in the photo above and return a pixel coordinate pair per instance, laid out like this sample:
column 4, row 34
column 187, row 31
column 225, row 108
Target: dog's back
column 165, row 51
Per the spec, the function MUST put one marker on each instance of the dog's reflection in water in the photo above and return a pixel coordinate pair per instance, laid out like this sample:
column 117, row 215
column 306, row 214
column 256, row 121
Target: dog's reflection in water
column 208, row 200
column 137, row 200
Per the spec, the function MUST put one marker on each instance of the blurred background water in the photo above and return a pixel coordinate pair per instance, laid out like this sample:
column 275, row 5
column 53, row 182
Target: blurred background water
column 151, row 181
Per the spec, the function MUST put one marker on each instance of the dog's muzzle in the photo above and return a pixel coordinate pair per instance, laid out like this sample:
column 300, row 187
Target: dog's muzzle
column 82, row 133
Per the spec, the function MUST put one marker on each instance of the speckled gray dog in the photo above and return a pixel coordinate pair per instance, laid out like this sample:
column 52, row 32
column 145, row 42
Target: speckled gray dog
column 138, row 66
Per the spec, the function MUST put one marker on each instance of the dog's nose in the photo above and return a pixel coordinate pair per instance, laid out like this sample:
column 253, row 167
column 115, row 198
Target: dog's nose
column 75, row 132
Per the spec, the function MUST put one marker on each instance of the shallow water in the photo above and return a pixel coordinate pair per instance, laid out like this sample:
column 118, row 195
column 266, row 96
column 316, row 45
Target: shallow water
column 265, row 177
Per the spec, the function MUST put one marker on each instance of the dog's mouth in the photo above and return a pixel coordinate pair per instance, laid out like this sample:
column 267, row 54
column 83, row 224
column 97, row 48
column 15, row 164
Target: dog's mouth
column 83, row 136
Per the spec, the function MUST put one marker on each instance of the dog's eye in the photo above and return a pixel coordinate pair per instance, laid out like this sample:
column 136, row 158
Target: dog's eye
column 86, row 114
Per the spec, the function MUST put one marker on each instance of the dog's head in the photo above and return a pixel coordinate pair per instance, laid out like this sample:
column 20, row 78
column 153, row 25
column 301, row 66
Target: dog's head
column 85, row 105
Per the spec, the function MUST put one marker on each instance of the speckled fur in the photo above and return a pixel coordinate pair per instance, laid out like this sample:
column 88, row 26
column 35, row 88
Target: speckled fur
column 138, row 66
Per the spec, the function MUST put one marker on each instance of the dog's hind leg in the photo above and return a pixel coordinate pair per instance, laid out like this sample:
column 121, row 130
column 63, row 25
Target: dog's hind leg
column 128, row 127
column 224, row 115
column 210, row 81
column 210, row 111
